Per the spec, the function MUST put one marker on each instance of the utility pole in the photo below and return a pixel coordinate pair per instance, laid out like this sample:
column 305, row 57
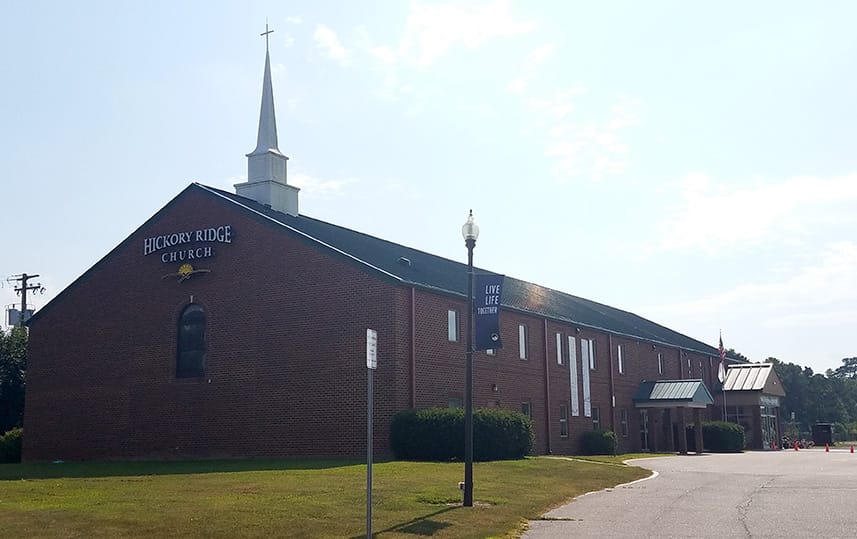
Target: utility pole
column 22, row 289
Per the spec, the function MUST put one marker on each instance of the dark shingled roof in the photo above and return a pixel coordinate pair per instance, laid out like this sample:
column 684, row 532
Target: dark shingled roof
column 433, row 272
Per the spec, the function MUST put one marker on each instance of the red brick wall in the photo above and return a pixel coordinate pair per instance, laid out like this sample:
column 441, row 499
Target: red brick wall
column 285, row 372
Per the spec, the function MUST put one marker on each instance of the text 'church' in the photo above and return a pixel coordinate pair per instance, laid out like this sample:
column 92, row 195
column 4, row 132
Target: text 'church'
column 187, row 356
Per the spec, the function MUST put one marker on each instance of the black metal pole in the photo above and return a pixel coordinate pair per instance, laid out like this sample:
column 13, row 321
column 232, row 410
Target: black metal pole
column 468, row 383
column 369, row 436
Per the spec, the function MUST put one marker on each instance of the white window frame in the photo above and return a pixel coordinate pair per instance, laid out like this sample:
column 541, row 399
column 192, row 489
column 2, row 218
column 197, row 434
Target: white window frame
column 596, row 418
column 559, row 348
column 660, row 363
column 587, row 347
column 621, row 358
column 572, row 376
column 563, row 420
column 452, row 332
column 522, row 341
column 585, row 368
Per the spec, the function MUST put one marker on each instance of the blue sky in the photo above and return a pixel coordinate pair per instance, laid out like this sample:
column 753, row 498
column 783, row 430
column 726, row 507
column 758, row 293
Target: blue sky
column 691, row 163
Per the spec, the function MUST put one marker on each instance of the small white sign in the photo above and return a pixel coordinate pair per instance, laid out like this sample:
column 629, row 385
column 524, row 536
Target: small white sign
column 371, row 349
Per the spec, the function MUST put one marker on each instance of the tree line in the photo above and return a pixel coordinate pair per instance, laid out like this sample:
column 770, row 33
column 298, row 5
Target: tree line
column 13, row 368
column 819, row 398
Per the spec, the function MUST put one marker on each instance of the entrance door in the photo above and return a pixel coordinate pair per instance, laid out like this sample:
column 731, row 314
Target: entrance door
column 644, row 429
column 769, row 426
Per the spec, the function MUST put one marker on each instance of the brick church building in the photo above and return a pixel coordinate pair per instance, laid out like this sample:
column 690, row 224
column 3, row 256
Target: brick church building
column 235, row 326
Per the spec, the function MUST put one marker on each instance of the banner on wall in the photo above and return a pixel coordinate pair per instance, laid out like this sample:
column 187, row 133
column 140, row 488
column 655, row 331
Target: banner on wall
column 488, row 291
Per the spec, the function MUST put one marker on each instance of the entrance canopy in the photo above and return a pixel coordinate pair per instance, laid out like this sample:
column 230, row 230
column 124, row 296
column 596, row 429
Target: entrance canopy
column 759, row 377
column 672, row 394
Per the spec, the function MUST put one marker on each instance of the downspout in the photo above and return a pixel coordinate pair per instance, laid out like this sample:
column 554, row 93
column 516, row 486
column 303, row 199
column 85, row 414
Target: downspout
column 547, row 391
column 413, row 351
column 612, row 386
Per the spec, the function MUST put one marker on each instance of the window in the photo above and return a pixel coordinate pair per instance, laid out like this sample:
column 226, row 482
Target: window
column 522, row 341
column 596, row 418
column 660, row 363
column 454, row 402
column 563, row 420
column 452, row 325
column 526, row 409
column 587, row 348
column 572, row 376
column 490, row 352
column 621, row 357
column 559, row 348
column 624, row 422
column 689, row 368
column 586, row 365
column 190, row 357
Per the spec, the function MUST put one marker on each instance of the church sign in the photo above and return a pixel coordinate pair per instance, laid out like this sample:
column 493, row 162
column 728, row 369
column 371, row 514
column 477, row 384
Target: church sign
column 178, row 243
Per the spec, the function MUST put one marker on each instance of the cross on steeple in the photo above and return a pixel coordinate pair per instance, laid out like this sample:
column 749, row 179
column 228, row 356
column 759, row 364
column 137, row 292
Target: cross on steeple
column 265, row 33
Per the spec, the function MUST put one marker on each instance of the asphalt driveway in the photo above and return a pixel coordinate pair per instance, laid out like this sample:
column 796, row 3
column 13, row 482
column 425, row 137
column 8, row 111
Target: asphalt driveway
column 756, row 494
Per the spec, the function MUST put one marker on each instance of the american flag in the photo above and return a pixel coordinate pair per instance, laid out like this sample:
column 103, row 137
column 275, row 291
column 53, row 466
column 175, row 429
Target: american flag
column 721, row 372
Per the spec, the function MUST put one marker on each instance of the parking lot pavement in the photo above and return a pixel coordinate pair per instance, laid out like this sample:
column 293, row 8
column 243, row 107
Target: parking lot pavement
column 754, row 494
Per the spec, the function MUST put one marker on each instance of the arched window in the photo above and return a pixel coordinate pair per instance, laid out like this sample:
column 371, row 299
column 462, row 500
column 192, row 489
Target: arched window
column 190, row 358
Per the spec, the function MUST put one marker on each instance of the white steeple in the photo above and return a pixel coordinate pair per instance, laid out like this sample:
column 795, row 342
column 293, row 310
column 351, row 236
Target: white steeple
column 266, row 165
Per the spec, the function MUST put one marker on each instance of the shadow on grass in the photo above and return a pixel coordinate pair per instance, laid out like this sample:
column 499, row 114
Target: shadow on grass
column 419, row 526
column 11, row 472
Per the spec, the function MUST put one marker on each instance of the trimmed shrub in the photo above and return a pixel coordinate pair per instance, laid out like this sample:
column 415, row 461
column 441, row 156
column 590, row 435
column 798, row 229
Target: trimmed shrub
column 598, row 442
column 10, row 445
column 501, row 435
column 437, row 434
column 428, row 434
column 718, row 437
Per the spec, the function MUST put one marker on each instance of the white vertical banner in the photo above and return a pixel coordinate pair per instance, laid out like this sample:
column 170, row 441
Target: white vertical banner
column 572, row 376
column 585, row 351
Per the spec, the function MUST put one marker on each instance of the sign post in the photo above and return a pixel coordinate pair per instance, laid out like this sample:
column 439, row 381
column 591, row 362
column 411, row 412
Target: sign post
column 371, row 365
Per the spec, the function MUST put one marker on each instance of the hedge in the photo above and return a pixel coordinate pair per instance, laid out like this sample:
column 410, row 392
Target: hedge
column 598, row 442
column 437, row 434
column 718, row 437
column 10, row 445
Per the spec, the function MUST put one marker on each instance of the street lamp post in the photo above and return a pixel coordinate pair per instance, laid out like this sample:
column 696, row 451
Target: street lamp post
column 470, row 231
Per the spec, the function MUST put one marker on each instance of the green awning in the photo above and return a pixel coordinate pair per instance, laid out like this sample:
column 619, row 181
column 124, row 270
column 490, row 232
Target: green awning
column 672, row 394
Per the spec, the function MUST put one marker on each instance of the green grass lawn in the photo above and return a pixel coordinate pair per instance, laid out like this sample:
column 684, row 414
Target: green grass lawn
column 289, row 498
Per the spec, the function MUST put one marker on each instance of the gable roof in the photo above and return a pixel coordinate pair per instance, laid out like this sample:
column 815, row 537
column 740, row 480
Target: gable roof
column 672, row 393
column 412, row 267
column 754, row 377
column 431, row 272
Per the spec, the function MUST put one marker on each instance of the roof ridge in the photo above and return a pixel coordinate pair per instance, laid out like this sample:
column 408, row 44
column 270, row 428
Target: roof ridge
column 436, row 274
